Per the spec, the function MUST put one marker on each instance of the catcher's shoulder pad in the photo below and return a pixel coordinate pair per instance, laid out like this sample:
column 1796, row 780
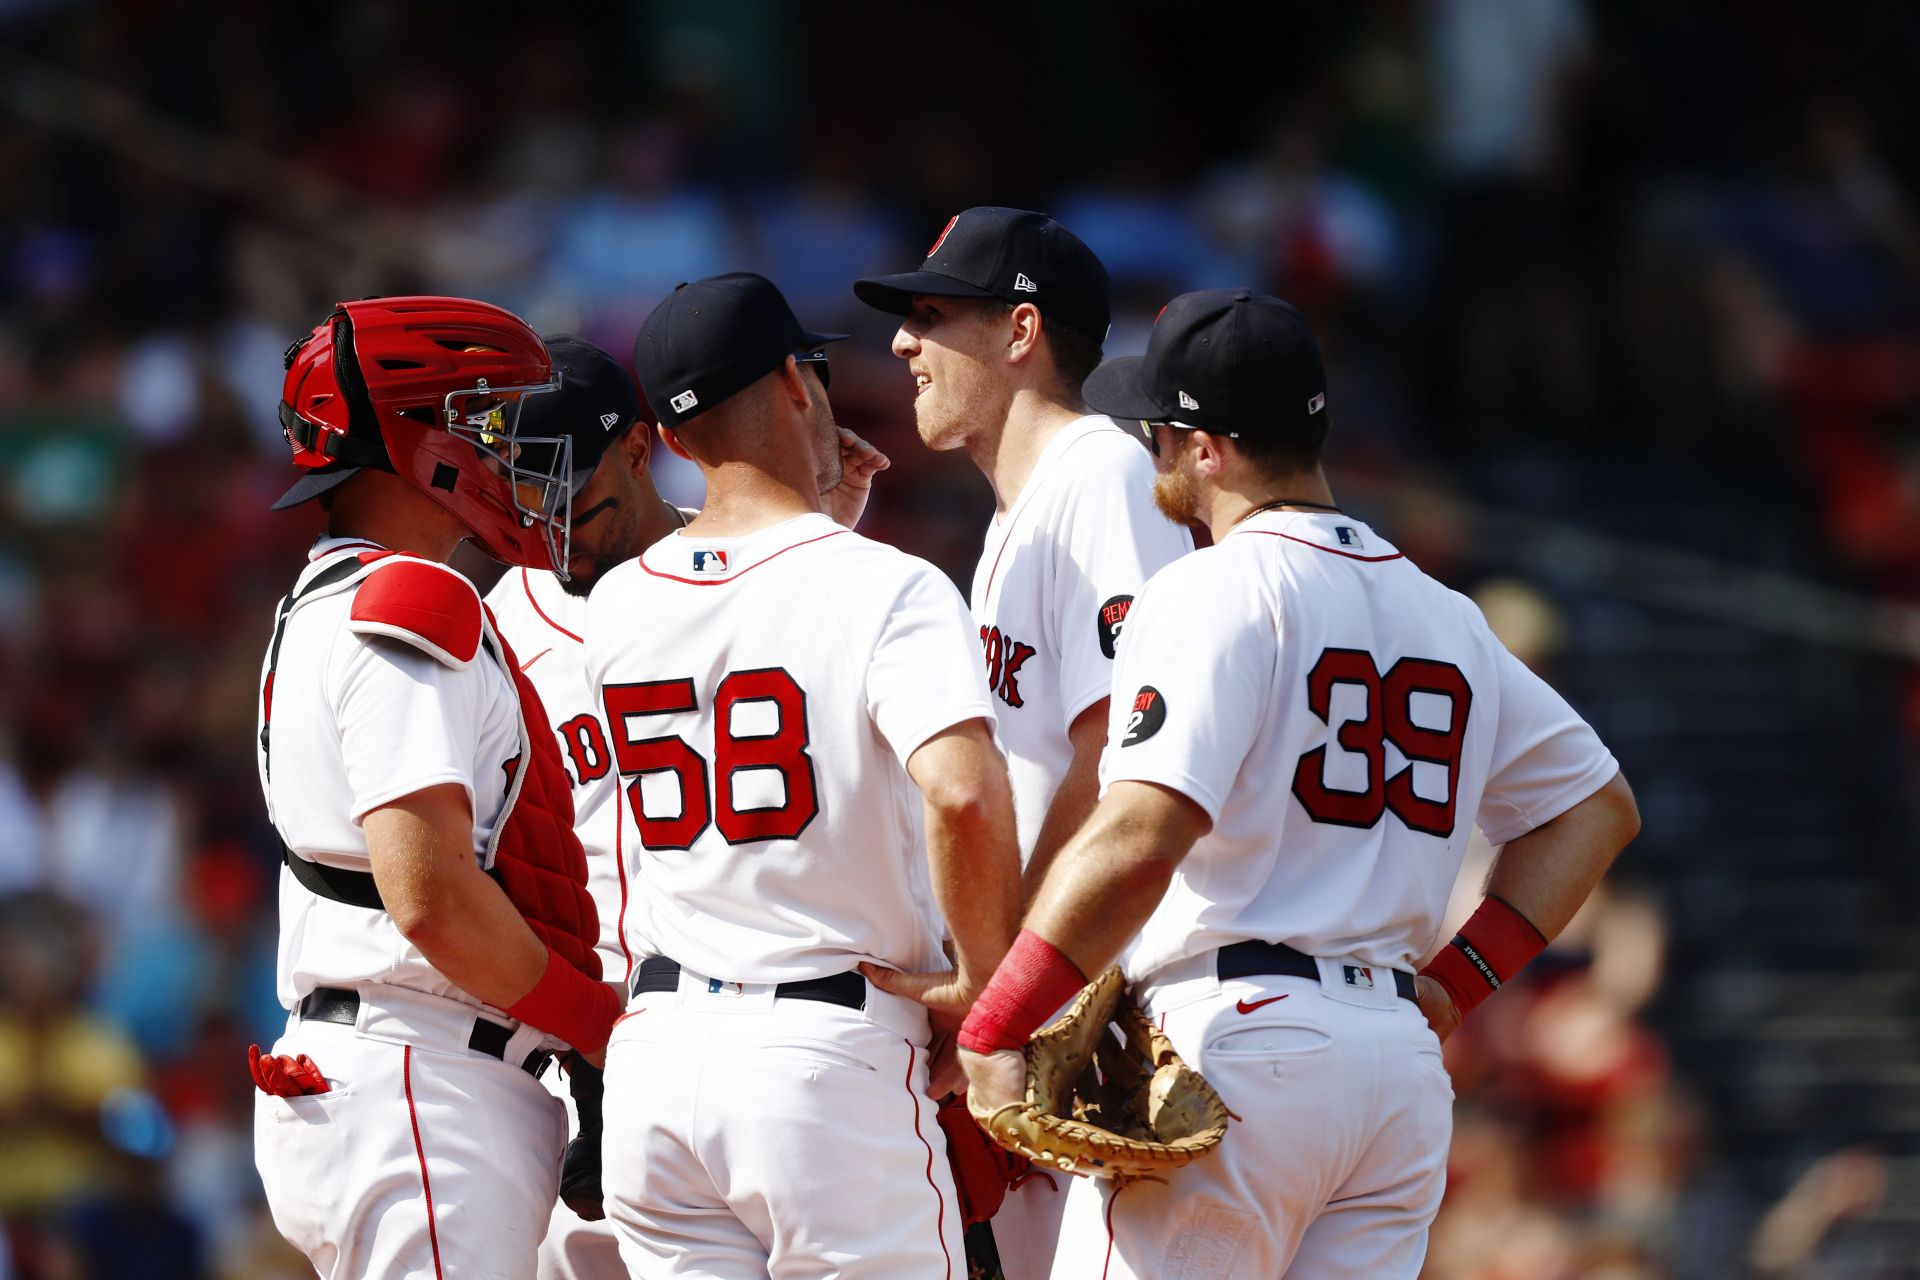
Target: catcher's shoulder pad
column 424, row 604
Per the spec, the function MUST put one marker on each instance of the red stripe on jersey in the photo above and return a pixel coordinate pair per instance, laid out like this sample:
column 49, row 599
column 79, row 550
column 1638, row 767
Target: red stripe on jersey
column 527, row 587
column 721, row 582
column 1268, row 533
column 913, row 1056
column 620, row 868
column 406, row 1077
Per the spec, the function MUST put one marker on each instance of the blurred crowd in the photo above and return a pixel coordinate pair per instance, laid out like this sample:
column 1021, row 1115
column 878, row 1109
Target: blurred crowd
column 1522, row 228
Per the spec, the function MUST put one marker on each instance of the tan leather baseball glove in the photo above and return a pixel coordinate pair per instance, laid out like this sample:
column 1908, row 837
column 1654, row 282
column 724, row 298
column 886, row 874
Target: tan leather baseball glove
column 1120, row 1107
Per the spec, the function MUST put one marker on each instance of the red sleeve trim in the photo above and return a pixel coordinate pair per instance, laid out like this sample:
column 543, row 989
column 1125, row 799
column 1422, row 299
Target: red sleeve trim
column 427, row 605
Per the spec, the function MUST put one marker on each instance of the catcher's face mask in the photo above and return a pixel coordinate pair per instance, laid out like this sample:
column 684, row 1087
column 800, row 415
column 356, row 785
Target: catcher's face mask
column 538, row 469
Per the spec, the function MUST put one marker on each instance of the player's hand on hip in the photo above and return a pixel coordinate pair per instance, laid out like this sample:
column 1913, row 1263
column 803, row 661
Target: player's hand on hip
column 947, row 994
column 846, row 502
column 1437, row 1006
column 994, row 1080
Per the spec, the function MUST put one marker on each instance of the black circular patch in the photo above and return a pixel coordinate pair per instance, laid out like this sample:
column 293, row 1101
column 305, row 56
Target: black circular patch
column 1149, row 713
column 1108, row 621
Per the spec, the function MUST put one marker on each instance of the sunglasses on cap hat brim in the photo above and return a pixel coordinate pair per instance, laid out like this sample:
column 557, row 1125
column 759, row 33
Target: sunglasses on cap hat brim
column 1153, row 443
column 818, row 359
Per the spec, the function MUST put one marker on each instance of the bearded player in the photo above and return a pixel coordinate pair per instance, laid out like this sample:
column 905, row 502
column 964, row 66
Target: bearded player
column 1305, row 731
column 808, row 759
column 437, row 938
column 1001, row 325
column 616, row 515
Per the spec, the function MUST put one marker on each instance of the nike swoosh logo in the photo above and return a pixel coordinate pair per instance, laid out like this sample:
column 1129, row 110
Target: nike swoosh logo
column 535, row 658
column 1245, row 1007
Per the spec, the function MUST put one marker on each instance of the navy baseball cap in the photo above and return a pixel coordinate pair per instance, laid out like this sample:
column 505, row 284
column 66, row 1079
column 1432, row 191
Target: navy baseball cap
column 594, row 406
column 1014, row 255
column 1230, row 361
column 715, row 337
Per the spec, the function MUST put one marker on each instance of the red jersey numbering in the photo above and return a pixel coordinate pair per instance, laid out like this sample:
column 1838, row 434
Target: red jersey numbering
column 1388, row 717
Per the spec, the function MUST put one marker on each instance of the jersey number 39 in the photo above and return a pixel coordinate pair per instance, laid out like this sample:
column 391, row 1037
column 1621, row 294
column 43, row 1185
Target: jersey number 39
column 1388, row 718
column 783, row 750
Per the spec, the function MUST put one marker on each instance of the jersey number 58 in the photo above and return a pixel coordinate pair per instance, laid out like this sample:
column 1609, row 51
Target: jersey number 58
column 1388, row 718
column 783, row 750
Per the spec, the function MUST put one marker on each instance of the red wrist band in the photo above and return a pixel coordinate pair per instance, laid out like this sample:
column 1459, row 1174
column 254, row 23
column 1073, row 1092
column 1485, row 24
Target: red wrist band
column 1034, row 980
column 568, row 1004
column 1495, row 943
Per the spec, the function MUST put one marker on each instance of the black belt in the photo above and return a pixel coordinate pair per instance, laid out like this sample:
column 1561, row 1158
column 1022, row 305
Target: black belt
column 1253, row 959
column 336, row 1004
column 849, row 990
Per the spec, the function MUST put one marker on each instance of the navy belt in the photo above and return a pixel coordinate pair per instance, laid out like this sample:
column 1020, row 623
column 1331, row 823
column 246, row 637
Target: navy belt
column 336, row 1004
column 849, row 990
column 1253, row 959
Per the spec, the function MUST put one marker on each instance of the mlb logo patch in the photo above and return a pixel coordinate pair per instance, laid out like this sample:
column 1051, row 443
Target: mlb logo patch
column 715, row 987
column 1348, row 536
column 709, row 562
column 1358, row 976
column 684, row 401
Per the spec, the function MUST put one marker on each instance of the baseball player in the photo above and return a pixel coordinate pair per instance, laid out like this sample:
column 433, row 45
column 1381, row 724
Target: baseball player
column 542, row 615
column 807, row 756
column 1002, row 324
column 437, row 939
column 617, row 515
column 1305, row 730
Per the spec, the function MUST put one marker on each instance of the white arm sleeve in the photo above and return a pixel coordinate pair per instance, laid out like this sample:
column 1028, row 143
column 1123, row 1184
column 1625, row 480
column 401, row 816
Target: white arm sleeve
column 1546, row 759
column 1193, row 685
column 924, row 674
column 1111, row 540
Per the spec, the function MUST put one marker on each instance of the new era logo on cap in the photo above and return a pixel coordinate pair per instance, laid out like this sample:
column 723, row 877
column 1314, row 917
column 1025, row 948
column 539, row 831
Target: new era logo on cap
column 684, row 401
column 1023, row 285
column 609, row 420
column 1188, row 402
column 1316, row 404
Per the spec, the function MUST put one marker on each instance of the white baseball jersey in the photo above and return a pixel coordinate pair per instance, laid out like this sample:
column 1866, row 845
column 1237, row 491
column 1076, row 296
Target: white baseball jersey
column 762, row 695
column 546, row 628
column 358, row 722
column 1344, row 720
column 1056, row 578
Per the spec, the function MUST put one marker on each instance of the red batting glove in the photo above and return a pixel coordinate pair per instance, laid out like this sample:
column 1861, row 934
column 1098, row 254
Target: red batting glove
column 983, row 1170
column 281, row 1076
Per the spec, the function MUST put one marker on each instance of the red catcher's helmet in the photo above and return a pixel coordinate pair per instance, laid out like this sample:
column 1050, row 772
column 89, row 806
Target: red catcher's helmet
column 431, row 389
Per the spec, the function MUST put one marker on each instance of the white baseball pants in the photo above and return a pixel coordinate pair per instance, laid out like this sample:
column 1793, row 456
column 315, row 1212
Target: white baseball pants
column 1335, row 1168
column 426, row 1161
column 576, row 1249
column 749, row 1137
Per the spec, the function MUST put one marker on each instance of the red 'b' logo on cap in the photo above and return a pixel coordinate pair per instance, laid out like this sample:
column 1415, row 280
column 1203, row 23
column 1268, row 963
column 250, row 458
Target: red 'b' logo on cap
column 943, row 235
